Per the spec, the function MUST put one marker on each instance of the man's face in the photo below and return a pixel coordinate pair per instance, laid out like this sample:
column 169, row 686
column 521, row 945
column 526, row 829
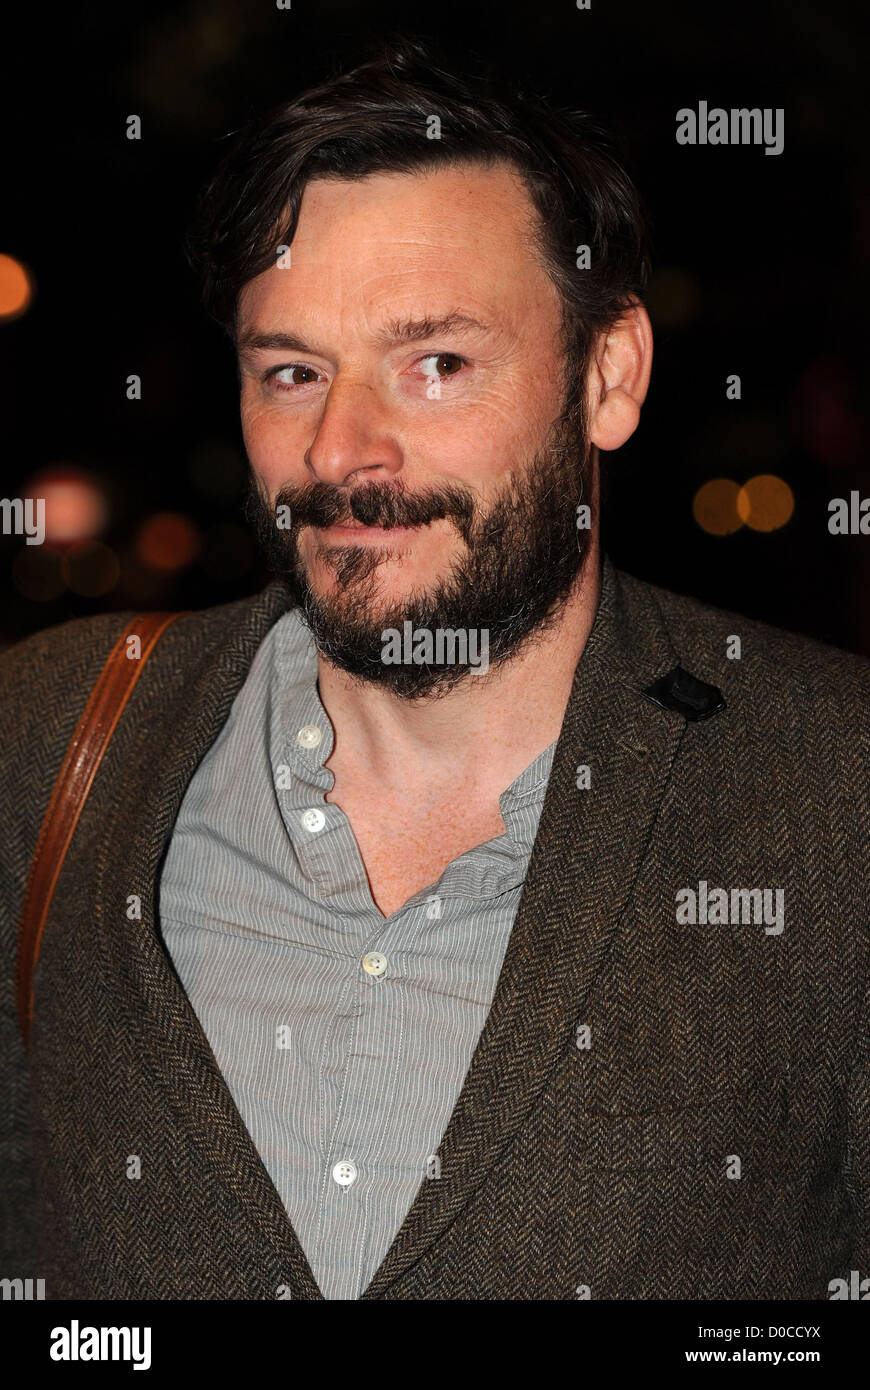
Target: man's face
column 405, row 369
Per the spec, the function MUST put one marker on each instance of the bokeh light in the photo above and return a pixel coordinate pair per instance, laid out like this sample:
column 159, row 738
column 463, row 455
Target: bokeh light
column 16, row 288
column 714, row 507
column 75, row 505
column 167, row 542
column 765, row 503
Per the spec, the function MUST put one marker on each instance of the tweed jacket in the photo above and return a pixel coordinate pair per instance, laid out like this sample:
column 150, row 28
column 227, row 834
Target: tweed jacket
column 656, row 1108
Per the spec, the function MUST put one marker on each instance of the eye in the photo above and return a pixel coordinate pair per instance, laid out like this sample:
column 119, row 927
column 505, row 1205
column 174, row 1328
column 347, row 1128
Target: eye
column 288, row 377
column 445, row 364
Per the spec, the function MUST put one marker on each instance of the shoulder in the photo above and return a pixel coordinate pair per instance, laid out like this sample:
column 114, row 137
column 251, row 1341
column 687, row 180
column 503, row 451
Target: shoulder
column 69, row 656
column 56, row 653
column 47, row 678
column 795, row 732
column 777, row 676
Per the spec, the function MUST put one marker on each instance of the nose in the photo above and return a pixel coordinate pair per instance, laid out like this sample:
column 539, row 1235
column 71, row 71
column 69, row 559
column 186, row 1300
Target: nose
column 353, row 436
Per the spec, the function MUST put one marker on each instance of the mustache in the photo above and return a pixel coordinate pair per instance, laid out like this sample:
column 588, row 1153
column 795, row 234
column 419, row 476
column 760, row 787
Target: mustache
column 376, row 504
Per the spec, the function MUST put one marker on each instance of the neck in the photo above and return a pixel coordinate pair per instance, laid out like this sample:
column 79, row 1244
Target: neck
column 485, row 732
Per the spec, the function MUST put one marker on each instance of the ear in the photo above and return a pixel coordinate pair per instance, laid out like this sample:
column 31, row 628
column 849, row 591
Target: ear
column 618, row 378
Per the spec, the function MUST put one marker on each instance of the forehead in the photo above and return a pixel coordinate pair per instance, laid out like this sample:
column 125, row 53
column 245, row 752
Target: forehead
column 407, row 241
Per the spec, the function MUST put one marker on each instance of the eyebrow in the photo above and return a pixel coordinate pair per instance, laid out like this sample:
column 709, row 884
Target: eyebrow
column 396, row 332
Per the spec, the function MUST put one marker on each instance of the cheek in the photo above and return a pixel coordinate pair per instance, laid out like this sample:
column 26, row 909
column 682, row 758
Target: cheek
column 502, row 432
column 270, row 442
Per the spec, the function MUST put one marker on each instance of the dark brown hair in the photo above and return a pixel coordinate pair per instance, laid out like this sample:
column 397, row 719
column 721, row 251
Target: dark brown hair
column 375, row 119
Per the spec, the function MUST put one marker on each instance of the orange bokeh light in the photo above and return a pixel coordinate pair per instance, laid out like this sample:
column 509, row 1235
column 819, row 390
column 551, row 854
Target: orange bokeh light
column 765, row 503
column 714, row 507
column 75, row 507
column 16, row 288
column 167, row 541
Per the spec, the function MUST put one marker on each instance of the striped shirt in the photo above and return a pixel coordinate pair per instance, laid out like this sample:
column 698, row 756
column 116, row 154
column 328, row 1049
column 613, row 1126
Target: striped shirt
column 344, row 1037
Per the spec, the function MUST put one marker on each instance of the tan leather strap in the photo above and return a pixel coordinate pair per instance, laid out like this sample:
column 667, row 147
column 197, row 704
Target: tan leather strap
column 77, row 772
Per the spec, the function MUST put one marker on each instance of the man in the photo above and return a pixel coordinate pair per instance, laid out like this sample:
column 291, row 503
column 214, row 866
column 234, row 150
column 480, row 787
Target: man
column 455, row 919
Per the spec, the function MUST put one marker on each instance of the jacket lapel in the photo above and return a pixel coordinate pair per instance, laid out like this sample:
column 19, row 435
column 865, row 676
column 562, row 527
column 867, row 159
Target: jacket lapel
column 585, row 858
column 197, row 707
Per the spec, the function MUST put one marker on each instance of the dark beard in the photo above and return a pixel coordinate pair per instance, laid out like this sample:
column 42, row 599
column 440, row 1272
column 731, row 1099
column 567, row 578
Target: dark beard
column 522, row 558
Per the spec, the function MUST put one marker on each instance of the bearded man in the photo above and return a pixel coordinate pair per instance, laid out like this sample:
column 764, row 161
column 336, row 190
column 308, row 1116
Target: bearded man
column 377, row 970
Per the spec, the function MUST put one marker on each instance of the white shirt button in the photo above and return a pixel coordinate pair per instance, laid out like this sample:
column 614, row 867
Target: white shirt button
column 313, row 820
column 309, row 736
column 374, row 963
column 344, row 1173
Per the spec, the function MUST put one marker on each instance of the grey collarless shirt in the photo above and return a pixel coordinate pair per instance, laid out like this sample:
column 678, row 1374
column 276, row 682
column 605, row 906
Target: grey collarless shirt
column 344, row 1037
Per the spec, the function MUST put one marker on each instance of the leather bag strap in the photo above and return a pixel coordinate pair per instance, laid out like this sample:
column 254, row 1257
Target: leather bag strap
column 78, row 769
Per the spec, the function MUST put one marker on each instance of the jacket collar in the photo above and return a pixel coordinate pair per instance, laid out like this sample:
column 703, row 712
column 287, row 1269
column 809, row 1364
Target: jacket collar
column 583, row 865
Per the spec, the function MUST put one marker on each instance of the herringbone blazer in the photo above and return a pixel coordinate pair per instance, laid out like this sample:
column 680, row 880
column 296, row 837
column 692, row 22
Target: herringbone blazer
column 655, row 1108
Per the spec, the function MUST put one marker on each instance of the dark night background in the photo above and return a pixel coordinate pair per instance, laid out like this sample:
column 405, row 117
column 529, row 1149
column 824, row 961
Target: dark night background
column 761, row 270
